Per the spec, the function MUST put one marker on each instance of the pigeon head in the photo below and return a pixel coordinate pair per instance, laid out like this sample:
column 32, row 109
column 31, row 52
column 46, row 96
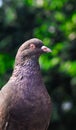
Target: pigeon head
column 32, row 48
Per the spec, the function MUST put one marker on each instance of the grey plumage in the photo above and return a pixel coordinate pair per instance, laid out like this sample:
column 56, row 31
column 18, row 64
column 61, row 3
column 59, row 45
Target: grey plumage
column 24, row 101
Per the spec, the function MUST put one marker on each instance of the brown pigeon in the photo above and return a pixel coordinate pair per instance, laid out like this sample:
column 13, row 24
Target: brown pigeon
column 24, row 101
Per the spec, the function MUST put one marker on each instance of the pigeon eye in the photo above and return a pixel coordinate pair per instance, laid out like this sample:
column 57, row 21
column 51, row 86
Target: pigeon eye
column 32, row 46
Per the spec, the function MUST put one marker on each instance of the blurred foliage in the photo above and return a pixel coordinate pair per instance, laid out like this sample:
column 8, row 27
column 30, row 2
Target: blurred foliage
column 54, row 22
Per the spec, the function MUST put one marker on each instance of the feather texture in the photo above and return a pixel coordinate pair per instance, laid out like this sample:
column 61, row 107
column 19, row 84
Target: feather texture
column 24, row 101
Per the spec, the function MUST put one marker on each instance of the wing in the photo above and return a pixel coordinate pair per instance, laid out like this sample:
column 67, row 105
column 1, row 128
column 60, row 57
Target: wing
column 3, row 111
column 5, row 99
column 6, row 120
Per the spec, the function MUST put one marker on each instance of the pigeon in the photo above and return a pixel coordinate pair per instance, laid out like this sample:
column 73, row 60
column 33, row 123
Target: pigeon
column 24, row 100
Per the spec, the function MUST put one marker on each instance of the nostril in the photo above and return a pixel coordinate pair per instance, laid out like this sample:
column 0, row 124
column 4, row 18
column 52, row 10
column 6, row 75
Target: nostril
column 46, row 49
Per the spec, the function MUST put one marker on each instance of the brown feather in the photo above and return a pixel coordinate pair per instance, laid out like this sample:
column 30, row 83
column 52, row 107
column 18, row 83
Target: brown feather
column 24, row 101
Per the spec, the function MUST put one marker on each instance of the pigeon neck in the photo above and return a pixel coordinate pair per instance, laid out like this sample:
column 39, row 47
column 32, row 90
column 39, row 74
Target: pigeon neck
column 29, row 67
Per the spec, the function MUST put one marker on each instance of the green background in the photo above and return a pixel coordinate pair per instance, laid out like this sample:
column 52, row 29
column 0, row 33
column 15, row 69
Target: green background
column 54, row 22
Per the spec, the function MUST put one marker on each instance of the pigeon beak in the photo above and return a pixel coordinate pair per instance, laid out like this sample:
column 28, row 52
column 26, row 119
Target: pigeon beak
column 45, row 49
